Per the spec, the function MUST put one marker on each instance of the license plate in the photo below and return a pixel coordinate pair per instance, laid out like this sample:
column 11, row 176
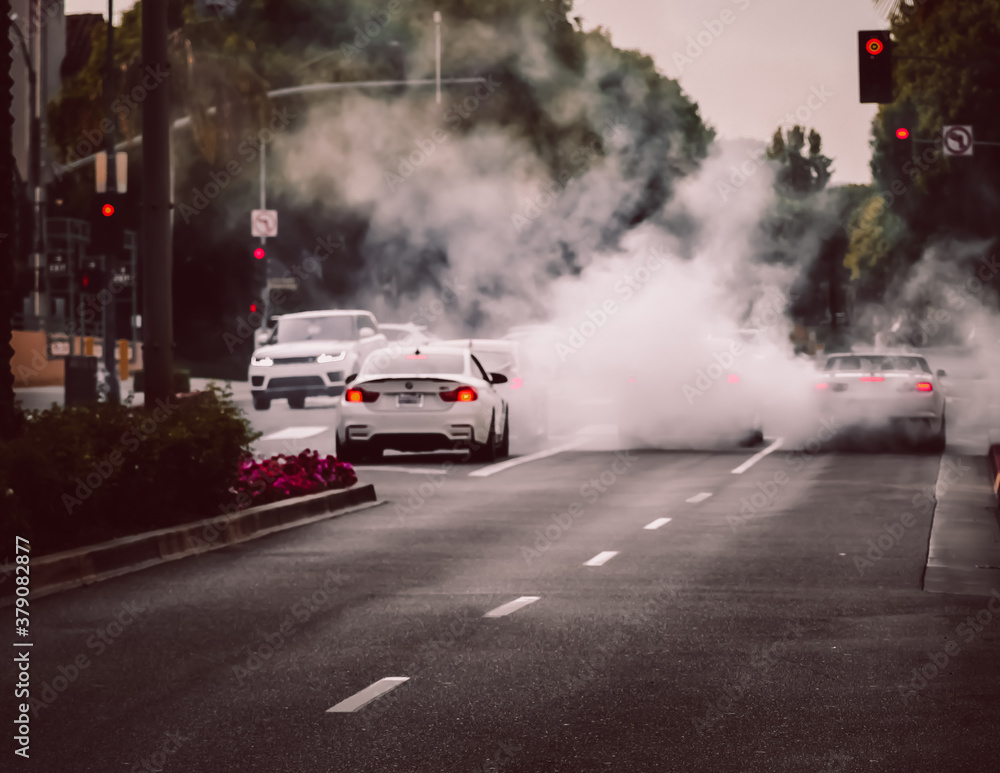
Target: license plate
column 407, row 398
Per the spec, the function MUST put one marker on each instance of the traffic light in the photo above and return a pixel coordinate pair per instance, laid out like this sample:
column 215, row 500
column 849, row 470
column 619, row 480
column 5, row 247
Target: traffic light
column 902, row 150
column 256, row 313
column 259, row 269
column 91, row 279
column 107, row 224
column 875, row 66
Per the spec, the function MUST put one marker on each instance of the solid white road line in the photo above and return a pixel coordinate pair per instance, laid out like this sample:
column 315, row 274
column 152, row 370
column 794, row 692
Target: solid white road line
column 698, row 498
column 367, row 695
column 757, row 457
column 512, row 606
column 493, row 469
column 410, row 470
column 602, row 558
column 295, row 433
column 657, row 523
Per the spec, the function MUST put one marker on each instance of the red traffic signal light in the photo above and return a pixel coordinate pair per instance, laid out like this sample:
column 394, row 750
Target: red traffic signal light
column 253, row 308
column 108, row 210
column 874, row 46
column 902, row 133
column 259, row 253
column 85, row 281
column 875, row 66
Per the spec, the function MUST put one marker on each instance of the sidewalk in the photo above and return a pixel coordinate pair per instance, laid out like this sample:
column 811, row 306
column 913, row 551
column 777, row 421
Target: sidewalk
column 39, row 398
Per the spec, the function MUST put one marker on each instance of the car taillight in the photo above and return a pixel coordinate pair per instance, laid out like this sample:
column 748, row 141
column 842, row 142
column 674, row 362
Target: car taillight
column 516, row 383
column 734, row 379
column 356, row 395
column 873, row 378
column 822, row 385
column 925, row 386
column 462, row 394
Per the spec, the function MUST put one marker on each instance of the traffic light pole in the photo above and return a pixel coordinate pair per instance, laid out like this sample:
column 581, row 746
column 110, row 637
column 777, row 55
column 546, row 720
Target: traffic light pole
column 157, row 287
column 108, row 309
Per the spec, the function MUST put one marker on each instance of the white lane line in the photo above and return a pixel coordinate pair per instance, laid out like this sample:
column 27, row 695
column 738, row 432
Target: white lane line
column 493, row 469
column 757, row 457
column 512, row 606
column 367, row 695
column 294, row 433
column 698, row 498
column 602, row 558
column 657, row 523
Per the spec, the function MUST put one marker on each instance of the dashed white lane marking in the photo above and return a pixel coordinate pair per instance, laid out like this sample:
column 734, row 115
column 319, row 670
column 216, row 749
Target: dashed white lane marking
column 757, row 457
column 294, row 433
column 493, row 469
column 698, row 498
column 602, row 558
column 367, row 695
column 512, row 606
column 657, row 523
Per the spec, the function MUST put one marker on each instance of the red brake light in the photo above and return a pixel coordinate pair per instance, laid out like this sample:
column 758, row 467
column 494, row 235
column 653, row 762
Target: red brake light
column 516, row 383
column 925, row 386
column 822, row 385
column 461, row 394
column 416, row 356
column 361, row 396
column 873, row 378
column 734, row 379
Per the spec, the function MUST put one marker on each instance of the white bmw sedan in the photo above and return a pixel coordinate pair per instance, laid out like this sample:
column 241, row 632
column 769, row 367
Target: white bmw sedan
column 422, row 399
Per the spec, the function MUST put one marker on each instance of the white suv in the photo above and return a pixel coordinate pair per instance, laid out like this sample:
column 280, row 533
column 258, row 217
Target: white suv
column 310, row 353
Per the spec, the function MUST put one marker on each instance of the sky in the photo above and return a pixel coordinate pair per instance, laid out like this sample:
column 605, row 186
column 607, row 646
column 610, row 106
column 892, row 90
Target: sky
column 757, row 63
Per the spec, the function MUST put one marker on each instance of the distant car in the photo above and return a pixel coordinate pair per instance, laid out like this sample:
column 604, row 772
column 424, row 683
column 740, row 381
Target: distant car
column 406, row 333
column 894, row 391
column 526, row 390
column 715, row 400
column 310, row 354
column 423, row 399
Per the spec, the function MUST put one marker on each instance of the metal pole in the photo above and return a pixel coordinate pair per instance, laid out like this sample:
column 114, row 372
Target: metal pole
column 157, row 252
column 266, row 293
column 36, row 157
column 437, row 55
column 108, row 309
column 8, row 414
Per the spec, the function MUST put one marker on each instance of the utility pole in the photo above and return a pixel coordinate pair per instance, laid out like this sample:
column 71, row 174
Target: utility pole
column 157, row 247
column 108, row 334
column 8, row 416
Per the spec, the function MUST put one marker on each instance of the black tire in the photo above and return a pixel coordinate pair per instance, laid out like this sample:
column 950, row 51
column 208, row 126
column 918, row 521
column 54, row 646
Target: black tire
column 298, row 402
column 504, row 450
column 486, row 452
column 355, row 452
column 938, row 443
column 261, row 402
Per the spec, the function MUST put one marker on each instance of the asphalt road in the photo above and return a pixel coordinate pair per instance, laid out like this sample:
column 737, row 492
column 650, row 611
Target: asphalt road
column 772, row 640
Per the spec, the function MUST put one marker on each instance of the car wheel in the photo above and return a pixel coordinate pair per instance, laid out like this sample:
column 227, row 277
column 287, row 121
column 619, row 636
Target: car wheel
column 504, row 449
column 298, row 402
column 355, row 452
column 486, row 452
column 261, row 402
column 940, row 440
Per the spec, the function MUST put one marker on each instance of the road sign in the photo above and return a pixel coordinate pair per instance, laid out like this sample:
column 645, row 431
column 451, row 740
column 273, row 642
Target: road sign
column 283, row 283
column 957, row 140
column 264, row 222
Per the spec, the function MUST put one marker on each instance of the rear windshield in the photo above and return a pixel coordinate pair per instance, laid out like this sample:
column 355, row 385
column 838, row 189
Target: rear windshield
column 496, row 362
column 383, row 362
column 878, row 362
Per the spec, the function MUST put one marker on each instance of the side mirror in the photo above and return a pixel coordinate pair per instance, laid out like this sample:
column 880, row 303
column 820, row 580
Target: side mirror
column 941, row 374
column 366, row 332
column 261, row 336
column 350, row 378
column 498, row 378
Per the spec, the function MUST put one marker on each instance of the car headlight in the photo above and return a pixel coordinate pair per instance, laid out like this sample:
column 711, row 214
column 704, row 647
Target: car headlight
column 261, row 361
column 331, row 357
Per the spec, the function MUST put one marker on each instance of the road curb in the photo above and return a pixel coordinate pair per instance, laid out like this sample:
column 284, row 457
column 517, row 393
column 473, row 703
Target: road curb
column 94, row 563
column 993, row 457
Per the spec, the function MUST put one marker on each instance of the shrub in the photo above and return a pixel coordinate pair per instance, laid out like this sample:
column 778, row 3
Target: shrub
column 281, row 477
column 86, row 474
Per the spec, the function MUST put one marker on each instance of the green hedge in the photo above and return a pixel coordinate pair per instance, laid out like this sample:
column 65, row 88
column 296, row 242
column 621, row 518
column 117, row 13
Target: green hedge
column 87, row 474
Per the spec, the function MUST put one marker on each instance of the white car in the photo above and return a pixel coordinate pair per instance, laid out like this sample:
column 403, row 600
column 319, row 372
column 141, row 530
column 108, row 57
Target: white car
column 884, row 391
column 423, row 399
column 406, row 333
column 526, row 389
column 311, row 353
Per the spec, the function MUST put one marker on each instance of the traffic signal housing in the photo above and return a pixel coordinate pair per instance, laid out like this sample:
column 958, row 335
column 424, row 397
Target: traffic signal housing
column 90, row 279
column 875, row 66
column 107, row 224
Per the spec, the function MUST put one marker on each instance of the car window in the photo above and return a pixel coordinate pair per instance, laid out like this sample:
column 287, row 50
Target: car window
column 316, row 329
column 497, row 362
column 394, row 334
column 385, row 362
column 878, row 362
column 367, row 320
